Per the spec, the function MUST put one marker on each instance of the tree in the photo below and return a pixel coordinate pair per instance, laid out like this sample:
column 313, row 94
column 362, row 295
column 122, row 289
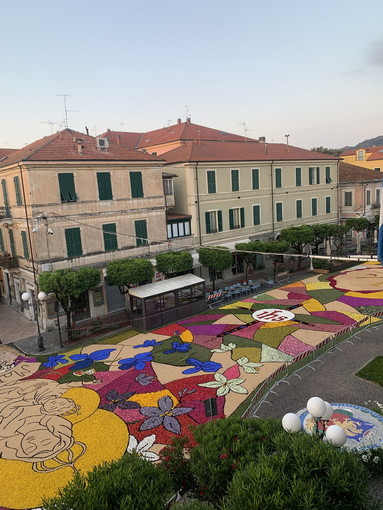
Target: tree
column 174, row 263
column 275, row 247
column 250, row 259
column 124, row 273
column 298, row 237
column 322, row 232
column 338, row 235
column 359, row 225
column 325, row 150
column 67, row 285
column 215, row 259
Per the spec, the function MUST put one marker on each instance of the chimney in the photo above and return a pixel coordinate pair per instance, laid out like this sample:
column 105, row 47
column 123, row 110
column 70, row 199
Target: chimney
column 262, row 139
column 118, row 140
column 188, row 120
column 178, row 121
column 87, row 130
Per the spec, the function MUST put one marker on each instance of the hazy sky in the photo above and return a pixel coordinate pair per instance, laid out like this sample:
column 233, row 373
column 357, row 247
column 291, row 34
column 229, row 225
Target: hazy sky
column 312, row 69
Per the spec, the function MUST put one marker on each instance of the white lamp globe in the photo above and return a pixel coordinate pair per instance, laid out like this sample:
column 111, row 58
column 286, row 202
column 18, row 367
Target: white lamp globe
column 291, row 422
column 25, row 296
column 329, row 412
column 316, row 407
column 336, row 436
column 41, row 296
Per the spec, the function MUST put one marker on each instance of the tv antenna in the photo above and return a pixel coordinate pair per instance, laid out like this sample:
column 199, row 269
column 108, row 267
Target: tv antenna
column 51, row 123
column 187, row 111
column 245, row 130
column 66, row 111
column 287, row 139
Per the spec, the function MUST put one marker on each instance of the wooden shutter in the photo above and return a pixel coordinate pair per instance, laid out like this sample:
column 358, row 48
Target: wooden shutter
column 298, row 177
column 328, row 175
column 256, row 214
column 136, row 184
column 311, row 175
column 25, row 244
column 314, row 207
column 219, row 214
column 279, row 211
column 141, row 232
column 211, row 187
column 67, row 189
column 12, row 242
column 73, row 242
column 16, row 182
column 207, row 222
column 318, row 175
column 104, row 186
column 110, row 237
column 242, row 212
column 278, row 177
column 255, row 178
column 231, row 219
column 1, row 241
column 328, row 205
column 299, row 208
column 235, row 180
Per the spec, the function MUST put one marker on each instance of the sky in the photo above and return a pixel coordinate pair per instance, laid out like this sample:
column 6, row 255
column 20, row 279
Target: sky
column 311, row 69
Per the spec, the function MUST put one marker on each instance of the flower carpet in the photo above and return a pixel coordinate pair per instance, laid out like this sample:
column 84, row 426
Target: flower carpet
column 71, row 411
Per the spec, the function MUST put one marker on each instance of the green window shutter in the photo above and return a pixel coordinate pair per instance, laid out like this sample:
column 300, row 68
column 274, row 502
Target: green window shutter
column 5, row 197
column 328, row 175
column 110, row 237
column 318, row 174
column 279, row 210
column 211, row 187
column 104, row 186
column 311, row 175
column 299, row 208
column 235, row 180
column 1, row 241
column 136, row 184
column 278, row 177
column 16, row 182
column 314, row 207
column 256, row 214
column 207, row 222
column 25, row 244
column 67, row 189
column 255, row 178
column 141, row 233
column 298, row 177
column 242, row 212
column 328, row 205
column 12, row 242
column 73, row 242
column 231, row 219
column 219, row 213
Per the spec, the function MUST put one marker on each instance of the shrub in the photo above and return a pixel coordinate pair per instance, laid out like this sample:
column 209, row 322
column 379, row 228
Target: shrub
column 129, row 483
column 321, row 264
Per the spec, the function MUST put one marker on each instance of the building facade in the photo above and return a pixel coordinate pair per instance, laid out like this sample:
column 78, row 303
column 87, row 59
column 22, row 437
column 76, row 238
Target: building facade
column 368, row 157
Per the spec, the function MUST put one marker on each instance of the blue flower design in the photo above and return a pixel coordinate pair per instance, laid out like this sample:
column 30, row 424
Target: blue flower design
column 55, row 360
column 87, row 360
column 138, row 362
column 176, row 346
column 147, row 343
column 205, row 366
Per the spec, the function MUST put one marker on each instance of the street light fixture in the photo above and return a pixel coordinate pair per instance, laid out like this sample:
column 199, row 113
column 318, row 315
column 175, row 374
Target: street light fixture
column 26, row 297
column 322, row 412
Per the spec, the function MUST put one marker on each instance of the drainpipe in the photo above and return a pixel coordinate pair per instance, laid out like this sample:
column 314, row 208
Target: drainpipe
column 198, row 204
column 272, row 199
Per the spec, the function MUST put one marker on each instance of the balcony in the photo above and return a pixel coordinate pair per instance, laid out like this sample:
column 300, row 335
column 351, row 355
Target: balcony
column 5, row 212
column 8, row 262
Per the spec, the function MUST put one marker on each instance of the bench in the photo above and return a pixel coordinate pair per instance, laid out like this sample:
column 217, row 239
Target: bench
column 284, row 275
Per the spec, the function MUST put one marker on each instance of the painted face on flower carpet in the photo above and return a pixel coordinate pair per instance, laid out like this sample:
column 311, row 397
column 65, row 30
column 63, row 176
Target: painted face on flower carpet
column 369, row 279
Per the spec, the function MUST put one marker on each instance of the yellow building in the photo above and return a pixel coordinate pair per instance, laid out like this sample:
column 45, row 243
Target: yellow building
column 369, row 157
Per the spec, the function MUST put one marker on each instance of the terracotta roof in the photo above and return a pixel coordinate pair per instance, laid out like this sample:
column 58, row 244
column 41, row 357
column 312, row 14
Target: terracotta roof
column 124, row 138
column 240, row 151
column 69, row 145
column 5, row 152
column 354, row 173
column 372, row 153
column 171, row 216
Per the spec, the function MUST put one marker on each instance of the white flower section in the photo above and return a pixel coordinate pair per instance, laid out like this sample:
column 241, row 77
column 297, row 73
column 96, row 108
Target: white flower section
column 225, row 348
column 142, row 447
column 225, row 385
column 248, row 366
column 270, row 354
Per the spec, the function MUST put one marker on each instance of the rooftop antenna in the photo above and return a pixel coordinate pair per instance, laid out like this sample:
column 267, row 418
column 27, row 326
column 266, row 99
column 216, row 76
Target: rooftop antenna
column 121, row 124
column 187, row 111
column 51, row 123
column 169, row 122
column 245, row 130
column 66, row 111
column 287, row 140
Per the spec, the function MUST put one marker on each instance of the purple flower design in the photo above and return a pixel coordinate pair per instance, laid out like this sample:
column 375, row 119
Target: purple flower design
column 87, row 360
column 55, row 360
column 164, row 415
column 119, row 400
column 138, row 362
column 144, row 379
column 147, row 343
column 205, row 366
column 177, row 347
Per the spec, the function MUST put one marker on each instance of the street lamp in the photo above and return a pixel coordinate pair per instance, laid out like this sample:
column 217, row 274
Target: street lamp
column 26, row 297
column 322, row 412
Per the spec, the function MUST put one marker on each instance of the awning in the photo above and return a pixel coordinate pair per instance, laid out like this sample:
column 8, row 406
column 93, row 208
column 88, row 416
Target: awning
column 156, row 288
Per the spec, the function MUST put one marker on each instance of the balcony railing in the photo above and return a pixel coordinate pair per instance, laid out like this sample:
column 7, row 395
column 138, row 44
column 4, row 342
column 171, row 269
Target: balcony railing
column 5, row 212
column 8, row 262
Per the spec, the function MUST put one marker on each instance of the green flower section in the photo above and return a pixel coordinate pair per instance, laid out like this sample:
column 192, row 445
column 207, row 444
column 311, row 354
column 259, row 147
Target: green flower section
column 325, row 296
column 368, row 310
column 265, row 297
column 261, row 306
column 178, row 359
column 113, row 340
column 274, row 336
column 252, row 353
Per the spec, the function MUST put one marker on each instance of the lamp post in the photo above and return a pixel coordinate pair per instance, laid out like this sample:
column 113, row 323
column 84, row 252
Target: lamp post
column 26, row 297
column 322, row 412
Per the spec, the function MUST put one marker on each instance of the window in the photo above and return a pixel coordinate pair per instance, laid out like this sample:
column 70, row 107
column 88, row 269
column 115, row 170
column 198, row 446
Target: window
column 141, row 233
column 235, row 180
column 348, row 198
column 278, row 177
column 328, row 205
column 236, row 218
column 16, row 182
column 168, row 186
column 213, row 221
column 12, row 242
column 377, row 194
column 328, row 175
column 368, row 197
column 314, row 175
column 377, row 169
column 211, row 187
column 298, row 206
column 73, row 242
column 314, row 206
column 360, row 155
column 255, row 178
column 256, row 214
column 298, row 177
column 179, row 228
column 25, row 244
column 67, row 189
column 110, row 236
column 104, row 186
column 136, row 184
column 279, row 211
column 5, row 197
column 2, row 248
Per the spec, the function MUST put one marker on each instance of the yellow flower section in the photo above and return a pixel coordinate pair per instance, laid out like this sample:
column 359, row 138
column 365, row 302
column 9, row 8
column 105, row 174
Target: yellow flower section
column 269, row 325
column 369, row 295
column 318, row 286
column 151, row 399
column 313, row 305
column 187, row 336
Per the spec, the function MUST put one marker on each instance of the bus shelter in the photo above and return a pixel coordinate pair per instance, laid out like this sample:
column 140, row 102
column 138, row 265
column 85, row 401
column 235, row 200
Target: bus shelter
column 159, row 303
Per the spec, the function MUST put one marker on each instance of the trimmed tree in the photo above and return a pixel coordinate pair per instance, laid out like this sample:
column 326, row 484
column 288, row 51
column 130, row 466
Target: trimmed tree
column 275, row 247
column 124, row 273
column 67, row 285
column 321, row 234
column 338, row 235
column 250, row 259
column 298, row 238
column 174, row 263
column 215, row 259
column 359, row 225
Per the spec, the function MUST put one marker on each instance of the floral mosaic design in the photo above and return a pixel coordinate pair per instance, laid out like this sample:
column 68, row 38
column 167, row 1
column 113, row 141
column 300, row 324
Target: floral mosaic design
column 93, row 403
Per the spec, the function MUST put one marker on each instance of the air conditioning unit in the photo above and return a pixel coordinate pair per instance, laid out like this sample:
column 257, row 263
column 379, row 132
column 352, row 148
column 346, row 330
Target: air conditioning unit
column 102, row 144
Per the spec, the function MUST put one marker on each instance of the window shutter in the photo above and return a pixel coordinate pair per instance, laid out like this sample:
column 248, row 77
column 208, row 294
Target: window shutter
column 16, row 183
column 207, row 221
column 279, row 211
column 67, row 189
column 328, row 175
column 1, row 241
column 255, row 173
column 25, row 244
column 235, row 180
column 104, row 186
column 298, row 177
column 73, row 242
column 136, row 184
column 219, row 214
column 242, row 217
column 231, row 219
column 314, row 207
column 211, row 187
column 5, row 196
column 311, row 175
column 256, row 215
column 278, row 177
column 328, row 205
column 318, row 175
column 299, row 208
column 110, row 237
column 12, row 242
column 141, row 233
